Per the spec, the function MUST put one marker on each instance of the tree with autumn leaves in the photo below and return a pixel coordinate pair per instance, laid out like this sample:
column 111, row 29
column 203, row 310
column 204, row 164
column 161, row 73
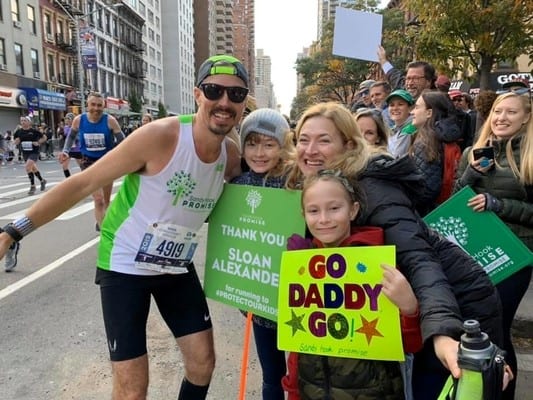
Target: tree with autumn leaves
column 471, row 37
column 458, row 37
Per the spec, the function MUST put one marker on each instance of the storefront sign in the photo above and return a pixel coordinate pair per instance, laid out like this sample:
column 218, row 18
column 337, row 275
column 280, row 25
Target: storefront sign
column 12, row 97
column 44, row 99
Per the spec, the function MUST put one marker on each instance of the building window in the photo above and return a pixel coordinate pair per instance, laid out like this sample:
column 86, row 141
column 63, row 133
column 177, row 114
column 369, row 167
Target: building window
column 107, row 23
column 19, row 59
column 60, row 31
column 51, row 67
column 34, row 54
column 111, row 83
column 47, row 22
column 109, row 55
column 114, row 27
column 63, row 76
column 15, row 11
column 117, row 60
column 103, row 81
column 3, row 52
column 99, row 19
column 31, row 18
column 101, row 53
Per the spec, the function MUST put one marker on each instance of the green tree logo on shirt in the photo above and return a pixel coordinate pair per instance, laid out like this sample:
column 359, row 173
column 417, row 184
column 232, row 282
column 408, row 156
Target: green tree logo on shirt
column 181, row 184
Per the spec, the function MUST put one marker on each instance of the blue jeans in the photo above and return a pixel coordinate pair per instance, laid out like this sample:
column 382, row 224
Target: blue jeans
column 272, row 360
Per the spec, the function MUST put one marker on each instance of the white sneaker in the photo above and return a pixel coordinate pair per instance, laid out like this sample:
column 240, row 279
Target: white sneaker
column 11, row 257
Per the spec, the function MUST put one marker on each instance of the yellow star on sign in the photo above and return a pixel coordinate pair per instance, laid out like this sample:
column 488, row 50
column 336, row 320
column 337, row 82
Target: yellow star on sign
column 369, row 329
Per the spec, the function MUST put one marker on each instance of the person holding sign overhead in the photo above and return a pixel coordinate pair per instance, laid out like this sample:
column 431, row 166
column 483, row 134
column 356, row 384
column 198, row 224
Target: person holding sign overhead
column 329, row 204
column 499, row 168
column 449, row 284
column 266, row 141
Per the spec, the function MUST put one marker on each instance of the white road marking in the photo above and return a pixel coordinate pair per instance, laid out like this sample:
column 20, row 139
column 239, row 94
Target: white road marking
column 45, row 270
column 69, row 214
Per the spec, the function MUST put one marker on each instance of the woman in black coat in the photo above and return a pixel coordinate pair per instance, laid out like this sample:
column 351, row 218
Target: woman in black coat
column 450, row 286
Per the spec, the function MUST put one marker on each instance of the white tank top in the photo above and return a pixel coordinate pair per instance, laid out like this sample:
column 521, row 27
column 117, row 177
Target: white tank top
column 180, row 196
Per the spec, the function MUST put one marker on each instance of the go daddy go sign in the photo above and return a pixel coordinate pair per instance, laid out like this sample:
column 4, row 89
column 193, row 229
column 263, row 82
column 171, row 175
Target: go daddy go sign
column 331, row 303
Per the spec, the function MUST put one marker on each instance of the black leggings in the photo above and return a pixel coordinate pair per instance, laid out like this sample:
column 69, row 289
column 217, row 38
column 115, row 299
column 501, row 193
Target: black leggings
column 511, row 291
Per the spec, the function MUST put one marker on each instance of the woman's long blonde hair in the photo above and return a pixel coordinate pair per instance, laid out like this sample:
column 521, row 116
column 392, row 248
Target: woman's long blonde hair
column 525, row 171
column 351, row 161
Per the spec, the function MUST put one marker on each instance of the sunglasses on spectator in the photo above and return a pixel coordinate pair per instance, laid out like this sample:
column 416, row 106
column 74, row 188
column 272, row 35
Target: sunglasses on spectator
column 457, row 99
column 213, row 92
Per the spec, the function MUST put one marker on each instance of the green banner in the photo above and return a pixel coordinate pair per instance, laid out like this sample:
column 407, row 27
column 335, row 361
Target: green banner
column 247, row 234
column 483, row 235
column 331, row 303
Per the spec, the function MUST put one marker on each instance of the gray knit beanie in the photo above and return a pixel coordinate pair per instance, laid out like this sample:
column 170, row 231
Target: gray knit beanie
column 265, row 121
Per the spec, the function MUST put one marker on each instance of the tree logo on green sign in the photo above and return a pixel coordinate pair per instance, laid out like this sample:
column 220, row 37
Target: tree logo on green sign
column 180, row 185
column 253, row 199
column 452, row 228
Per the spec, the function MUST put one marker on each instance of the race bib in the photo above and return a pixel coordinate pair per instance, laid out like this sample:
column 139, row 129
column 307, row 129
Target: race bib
column 166, row 248
column 94, row 141
column 27, row 146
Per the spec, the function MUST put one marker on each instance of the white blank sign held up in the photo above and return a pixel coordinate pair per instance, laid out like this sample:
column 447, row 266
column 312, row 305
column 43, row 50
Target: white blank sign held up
column 357, row 34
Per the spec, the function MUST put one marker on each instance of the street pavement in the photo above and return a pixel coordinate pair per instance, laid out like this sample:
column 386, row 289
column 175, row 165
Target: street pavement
column 524, row 348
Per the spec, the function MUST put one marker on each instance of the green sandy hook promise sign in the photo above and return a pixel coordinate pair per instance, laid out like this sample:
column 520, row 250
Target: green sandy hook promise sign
column 247, row 234
column 483, row 235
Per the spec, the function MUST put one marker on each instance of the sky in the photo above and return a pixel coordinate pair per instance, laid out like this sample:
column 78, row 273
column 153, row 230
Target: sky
column 282, row 29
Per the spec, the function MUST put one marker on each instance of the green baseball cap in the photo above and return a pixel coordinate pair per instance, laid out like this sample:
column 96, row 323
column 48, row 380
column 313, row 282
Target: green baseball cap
column 222, row 65
column 402, row 94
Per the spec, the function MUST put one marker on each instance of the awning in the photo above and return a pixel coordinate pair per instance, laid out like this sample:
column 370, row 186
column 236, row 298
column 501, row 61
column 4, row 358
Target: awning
column 44, row 99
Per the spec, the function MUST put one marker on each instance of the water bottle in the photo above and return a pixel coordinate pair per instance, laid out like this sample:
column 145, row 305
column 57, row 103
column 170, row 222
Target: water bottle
column 475, row 353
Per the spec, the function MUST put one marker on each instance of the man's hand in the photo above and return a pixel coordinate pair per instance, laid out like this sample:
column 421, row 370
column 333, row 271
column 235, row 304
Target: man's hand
column 382, row 55
column 446, row 349
column 62, row 157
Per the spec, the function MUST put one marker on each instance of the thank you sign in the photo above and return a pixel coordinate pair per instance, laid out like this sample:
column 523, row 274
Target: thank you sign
column 248, row 232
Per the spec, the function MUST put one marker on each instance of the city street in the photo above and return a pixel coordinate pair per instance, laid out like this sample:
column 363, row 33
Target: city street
column 53, row 344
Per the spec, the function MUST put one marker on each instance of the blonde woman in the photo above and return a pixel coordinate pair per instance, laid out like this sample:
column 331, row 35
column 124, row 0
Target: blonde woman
column 504, row 185
column 441, row 274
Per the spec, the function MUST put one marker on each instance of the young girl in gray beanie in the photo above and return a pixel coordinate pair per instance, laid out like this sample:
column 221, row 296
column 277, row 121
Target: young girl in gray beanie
column 266, row 141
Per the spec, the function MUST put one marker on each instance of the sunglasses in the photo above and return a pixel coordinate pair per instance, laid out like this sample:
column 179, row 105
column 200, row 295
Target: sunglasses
column 212, row 91
column 457, row 99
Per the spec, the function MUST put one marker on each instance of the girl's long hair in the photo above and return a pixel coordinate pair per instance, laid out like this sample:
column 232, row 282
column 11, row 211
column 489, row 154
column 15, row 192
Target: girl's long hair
column 441, row 108
column 524, row 172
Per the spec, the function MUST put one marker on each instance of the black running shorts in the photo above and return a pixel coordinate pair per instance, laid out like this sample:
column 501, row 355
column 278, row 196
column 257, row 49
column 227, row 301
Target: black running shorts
column 87, row 161
column 126, row 305
column 30, row 156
